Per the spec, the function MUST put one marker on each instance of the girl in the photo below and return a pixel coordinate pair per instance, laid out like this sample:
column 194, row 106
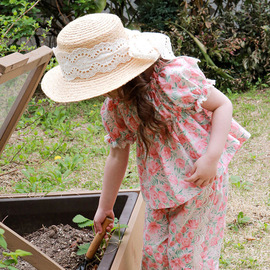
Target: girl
column 181, row 123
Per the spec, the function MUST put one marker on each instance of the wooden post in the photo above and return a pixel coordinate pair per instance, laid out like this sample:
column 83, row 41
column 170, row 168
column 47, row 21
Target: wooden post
column 129, row 253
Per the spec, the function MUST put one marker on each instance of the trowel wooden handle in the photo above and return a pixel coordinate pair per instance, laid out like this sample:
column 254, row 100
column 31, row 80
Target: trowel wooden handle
column 97, row 239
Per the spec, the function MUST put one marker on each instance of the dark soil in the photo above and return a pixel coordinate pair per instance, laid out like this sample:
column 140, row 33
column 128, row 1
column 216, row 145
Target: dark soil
column 60, row 243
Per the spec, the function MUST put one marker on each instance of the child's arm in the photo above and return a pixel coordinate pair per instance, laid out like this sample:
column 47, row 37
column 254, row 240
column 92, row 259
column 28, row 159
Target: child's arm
column 205, row 168
column 114, row 172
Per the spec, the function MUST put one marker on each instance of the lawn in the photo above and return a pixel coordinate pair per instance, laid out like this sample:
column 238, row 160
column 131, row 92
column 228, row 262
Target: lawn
column 60, row 147
column 247, row 238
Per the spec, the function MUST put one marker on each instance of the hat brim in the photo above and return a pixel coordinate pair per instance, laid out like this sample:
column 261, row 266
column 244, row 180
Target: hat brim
column 57, row 88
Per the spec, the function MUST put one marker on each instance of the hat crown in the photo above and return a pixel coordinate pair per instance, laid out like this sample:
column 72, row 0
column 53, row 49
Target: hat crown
column 90, row 30
column 96, row 54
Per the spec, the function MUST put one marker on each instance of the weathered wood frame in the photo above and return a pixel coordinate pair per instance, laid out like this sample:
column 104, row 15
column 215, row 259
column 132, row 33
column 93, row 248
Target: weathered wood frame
column 129, row 251
column 14, row 65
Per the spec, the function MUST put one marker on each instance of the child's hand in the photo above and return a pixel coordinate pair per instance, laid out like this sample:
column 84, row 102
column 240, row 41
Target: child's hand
column 203, row 172
column 100, row 217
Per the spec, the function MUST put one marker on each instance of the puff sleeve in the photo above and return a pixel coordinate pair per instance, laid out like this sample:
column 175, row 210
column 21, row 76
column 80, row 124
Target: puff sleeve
column 118, row 134
column 184, row 83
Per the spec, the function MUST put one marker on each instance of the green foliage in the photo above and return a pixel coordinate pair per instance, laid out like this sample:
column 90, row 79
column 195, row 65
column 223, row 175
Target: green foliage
column 56, row 143
column 82, row 249
column 237, row 40
column 224, row 262
column 3, row 242
column 249, row 262
column 65, row 11
column 11, row 257
column 45, row 179
column 230, row 42
column 240, row 222
column 125, row 10
column 82, row 221
column 238, row 183
column 26, row 25
column 242, row 219
column 18, row 26
column 155, row 14
column 82, row 7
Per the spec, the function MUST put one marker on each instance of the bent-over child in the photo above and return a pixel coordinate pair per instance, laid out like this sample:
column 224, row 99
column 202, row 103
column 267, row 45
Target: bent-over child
column 182, row 126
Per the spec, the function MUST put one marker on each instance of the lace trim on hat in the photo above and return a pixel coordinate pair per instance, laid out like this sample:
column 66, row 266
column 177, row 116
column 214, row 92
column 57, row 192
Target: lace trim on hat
column 85, row 63
column 104, row 57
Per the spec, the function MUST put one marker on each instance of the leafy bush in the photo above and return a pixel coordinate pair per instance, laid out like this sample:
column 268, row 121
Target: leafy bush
column 26, row 25
column 235, row 35
column 154, row 14
column 63, row 12
column 17, row 27
column 231, row 38
column 126, row 10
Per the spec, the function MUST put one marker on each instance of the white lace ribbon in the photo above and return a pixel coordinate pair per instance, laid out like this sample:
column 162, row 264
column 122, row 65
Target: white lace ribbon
column 85, row 63
column 148, row 45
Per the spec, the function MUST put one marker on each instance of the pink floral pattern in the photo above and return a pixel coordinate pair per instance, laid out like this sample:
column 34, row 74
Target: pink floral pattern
column 177, row 89
column 188, row 236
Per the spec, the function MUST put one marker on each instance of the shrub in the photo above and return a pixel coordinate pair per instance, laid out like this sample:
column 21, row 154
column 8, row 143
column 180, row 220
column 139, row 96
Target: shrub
column 153, row 14
column 235, row 34
column 26, row 25
column 231, row 38
column 16, row 26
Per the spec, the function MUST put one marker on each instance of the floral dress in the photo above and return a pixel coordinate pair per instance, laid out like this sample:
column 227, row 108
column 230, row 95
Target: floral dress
column 184, row 224
column 177, row 90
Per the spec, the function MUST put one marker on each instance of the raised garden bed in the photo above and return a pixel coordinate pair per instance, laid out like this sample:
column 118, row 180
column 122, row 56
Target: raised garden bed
column 23, row 215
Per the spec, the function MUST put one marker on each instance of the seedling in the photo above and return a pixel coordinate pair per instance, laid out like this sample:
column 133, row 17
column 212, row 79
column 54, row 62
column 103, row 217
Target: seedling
column 241, row 221
column 239, row 246
column 254, row 156
column 11, row 257
column 250, row 262
column 224, row 262
column 238, row 183
column 265, row 226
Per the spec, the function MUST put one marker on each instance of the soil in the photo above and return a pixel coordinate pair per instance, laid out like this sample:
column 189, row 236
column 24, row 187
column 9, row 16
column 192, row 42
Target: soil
column 60, row 243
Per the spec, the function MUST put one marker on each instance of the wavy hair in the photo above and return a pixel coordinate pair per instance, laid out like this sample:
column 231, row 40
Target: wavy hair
column 135, row 92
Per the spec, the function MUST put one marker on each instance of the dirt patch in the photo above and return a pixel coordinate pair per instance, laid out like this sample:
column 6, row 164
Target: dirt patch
column 61, row 244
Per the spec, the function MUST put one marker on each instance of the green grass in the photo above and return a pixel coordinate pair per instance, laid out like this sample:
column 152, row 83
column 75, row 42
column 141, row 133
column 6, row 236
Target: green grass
column 60, row 147
column 247, row 237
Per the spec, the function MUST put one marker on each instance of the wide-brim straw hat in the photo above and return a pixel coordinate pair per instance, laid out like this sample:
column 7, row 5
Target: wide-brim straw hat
column 96, row 55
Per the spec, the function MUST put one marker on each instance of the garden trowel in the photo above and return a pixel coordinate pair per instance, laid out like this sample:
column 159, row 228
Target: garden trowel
column 94, row 245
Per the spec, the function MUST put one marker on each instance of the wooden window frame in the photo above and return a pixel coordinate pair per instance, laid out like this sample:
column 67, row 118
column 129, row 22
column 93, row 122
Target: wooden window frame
column 12, row 66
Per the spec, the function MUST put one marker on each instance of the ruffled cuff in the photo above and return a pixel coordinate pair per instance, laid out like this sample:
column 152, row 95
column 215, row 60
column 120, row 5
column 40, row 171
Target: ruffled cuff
column 120, row 143
column 204, row 95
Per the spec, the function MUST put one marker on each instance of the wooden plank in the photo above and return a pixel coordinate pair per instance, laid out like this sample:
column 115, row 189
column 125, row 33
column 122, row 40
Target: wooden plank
column 60, row 193
column 129, row 253
column 35, row 58
column 38, row 259
column 12, row 61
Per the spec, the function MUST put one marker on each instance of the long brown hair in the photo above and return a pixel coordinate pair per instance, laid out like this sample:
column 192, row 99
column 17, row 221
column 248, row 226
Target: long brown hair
column 151, row 121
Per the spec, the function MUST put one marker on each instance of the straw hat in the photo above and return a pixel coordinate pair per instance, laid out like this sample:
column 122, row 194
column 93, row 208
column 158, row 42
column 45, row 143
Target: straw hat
column 96, row 55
